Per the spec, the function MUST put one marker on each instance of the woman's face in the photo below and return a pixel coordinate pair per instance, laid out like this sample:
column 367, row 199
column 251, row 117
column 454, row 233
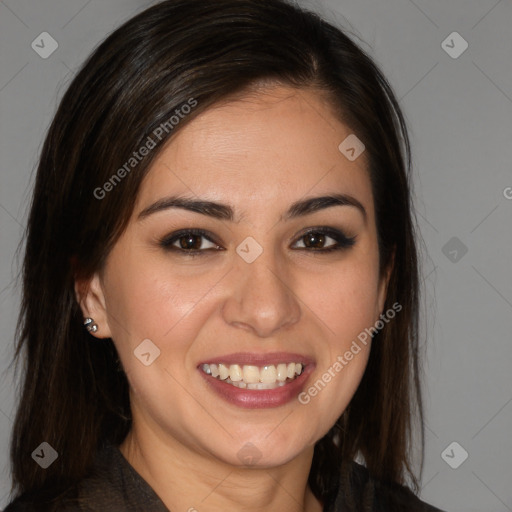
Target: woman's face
column 259, row 293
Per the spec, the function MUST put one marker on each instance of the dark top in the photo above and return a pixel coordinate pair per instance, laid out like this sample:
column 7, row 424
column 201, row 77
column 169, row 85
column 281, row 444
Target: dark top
column 115, row 486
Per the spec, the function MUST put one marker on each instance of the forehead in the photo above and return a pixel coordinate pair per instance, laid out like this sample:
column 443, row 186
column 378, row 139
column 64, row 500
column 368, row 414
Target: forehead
column 259, row 151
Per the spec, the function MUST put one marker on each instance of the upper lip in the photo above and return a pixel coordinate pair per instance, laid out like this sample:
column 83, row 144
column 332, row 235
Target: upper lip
column 259, row 359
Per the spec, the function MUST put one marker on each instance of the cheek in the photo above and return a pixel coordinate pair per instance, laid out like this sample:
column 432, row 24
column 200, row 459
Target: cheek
column 153, row 299
column 146, row 296
column 345, row 299
column 345, row 302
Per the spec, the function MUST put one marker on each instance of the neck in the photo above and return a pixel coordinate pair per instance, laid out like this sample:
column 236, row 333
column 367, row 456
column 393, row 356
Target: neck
column 190, row 481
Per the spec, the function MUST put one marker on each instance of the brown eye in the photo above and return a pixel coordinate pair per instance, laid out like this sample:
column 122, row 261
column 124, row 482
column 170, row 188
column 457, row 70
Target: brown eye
column 190, row 242
column 316, row 239
column 312, row 240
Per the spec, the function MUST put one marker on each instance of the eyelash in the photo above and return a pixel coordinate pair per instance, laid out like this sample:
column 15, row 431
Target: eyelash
column 342, row 241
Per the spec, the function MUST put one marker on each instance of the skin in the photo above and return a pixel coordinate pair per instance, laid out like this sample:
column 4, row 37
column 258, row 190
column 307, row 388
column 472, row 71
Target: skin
column 259, row 154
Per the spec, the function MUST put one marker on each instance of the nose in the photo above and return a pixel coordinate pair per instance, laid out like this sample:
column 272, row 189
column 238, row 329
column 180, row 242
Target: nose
column 263, row 300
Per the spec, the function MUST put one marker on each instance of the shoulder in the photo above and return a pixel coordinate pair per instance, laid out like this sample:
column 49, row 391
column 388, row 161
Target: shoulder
column 395, row 497
column 26, row 503
column 111, row 484
column 358, row 490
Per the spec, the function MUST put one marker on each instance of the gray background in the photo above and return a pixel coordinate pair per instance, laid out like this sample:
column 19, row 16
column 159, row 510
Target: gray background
column 459, row 112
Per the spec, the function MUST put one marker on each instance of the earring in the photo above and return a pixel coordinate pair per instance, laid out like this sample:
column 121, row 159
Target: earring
column 90, row 325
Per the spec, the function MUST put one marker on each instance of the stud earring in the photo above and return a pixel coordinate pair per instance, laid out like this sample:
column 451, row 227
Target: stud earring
column 90, row 325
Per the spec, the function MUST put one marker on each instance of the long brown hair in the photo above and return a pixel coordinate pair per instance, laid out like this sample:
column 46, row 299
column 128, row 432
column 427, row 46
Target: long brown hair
column 73, row 394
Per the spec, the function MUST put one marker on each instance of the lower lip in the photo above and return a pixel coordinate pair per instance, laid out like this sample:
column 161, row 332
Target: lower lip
column 259, row 399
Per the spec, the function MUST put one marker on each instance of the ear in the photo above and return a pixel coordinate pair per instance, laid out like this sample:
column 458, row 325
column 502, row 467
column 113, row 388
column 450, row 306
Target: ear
column 91, row 298
column 384, row 282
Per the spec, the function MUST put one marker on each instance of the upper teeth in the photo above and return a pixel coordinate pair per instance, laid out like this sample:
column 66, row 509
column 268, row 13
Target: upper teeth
column 249, row 374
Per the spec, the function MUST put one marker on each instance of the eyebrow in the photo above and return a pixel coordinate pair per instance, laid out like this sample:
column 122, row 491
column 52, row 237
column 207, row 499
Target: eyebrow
column 226, row 212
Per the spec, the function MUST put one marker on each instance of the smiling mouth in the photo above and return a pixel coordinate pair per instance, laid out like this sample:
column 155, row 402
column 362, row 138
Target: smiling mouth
column 254, row 377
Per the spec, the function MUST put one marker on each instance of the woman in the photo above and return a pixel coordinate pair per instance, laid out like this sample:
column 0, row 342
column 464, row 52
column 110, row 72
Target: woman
column 220, row 282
